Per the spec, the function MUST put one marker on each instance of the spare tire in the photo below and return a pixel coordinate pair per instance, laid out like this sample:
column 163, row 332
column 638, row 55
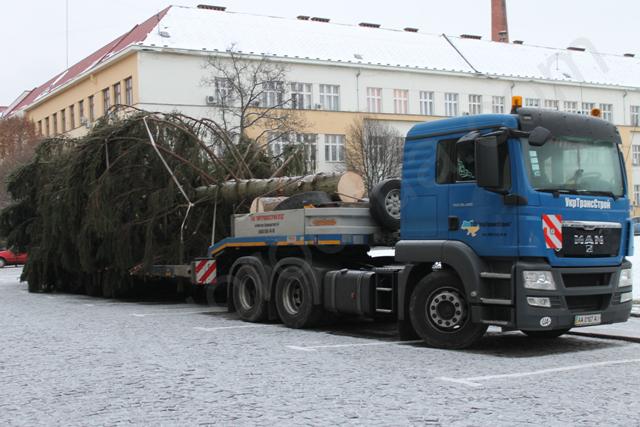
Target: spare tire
column 384, row 204
column 299, row 201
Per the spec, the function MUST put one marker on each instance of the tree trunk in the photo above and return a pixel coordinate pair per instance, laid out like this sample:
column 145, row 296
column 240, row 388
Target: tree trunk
column 347, row 187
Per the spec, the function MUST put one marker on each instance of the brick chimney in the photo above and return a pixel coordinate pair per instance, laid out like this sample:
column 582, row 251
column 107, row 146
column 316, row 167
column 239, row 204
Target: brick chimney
column 499, row 25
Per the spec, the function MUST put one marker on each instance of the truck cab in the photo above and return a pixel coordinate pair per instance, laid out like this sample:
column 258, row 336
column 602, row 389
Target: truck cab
column 526, row 214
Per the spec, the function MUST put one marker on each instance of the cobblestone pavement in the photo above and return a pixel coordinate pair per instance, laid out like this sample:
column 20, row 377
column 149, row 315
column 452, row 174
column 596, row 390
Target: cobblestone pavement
column 74, row 360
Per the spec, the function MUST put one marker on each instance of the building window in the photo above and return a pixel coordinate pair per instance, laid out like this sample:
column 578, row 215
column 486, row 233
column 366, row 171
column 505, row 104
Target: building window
column 635, row 115
column 92, row 109
column 47, row 128
column 272, row 94
column 278, row 146
column 40, row 127
column 571, row 106
column 117, row 94
column 636, row 195
column 374, row 100
column 334, row 148
column 532, row 102
column 426, row 103
column 475, row 104
column 81, row 111
column 223, row 91
column 72, row 117
column 63, row 121
column 450, row 104
column 607, row 112
column 401, row 101
column 552, row 104
column 54, row 119
column 128, row 91
column 497, row 104
column 587, row 107
column 301, row 96
column 106, row 100
column 635, row 155
column 330, row 97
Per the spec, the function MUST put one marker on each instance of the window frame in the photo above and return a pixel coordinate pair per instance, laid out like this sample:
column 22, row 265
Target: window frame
column 374, row 99
column 426, row 103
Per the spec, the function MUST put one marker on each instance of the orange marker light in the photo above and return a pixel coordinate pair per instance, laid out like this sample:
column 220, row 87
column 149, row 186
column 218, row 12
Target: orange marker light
column 596, row 112
column 516, row 102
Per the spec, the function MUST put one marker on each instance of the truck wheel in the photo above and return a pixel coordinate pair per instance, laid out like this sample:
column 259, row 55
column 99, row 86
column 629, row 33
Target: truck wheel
column 547, row 334
column 2, row 262
column 440, row 314
column 384, row 204
column 248, row 298
column 294, row 299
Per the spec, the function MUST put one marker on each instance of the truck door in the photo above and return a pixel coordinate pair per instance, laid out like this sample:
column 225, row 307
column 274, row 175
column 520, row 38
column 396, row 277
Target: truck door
column 477, row 216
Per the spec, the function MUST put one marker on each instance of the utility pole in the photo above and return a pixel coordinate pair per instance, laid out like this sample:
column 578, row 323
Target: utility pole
column 67, row 31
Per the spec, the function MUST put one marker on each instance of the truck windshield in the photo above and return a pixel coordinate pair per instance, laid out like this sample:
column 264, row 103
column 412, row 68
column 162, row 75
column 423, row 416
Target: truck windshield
column 575, row 165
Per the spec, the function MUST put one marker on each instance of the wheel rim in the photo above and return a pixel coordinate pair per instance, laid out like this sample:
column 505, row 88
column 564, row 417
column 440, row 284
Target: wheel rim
column 446, row 310
column 247, row 293
column 392, row 203
column 293, row 296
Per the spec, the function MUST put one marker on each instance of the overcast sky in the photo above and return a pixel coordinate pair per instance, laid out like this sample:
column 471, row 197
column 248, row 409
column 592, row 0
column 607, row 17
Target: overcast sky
column 33, row 47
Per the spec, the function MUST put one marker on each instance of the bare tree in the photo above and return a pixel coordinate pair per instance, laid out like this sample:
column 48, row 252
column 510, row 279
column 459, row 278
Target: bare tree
column 249, row 93
column 18, row 140
column 374, row 150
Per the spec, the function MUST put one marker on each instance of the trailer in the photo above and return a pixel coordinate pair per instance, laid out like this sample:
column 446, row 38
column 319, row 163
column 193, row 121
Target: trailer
column 517, row 220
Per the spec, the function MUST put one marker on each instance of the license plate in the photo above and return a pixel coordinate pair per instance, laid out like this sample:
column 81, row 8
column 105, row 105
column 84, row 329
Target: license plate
column 588, row 319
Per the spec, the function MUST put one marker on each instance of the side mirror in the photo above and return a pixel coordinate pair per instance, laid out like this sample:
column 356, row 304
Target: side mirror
column 539, row 136
column 488, row 168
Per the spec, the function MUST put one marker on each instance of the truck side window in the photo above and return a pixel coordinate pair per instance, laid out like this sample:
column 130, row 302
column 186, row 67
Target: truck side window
column 465, row 161
column 445, row 169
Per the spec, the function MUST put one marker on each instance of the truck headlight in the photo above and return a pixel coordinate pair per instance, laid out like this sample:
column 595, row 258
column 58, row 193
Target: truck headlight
column 626, row 278
column 541, row 280
column 626, row 297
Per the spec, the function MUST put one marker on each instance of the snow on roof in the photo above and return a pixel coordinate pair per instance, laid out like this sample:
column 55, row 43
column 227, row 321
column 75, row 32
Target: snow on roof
column 534, row 62
column 197, row 29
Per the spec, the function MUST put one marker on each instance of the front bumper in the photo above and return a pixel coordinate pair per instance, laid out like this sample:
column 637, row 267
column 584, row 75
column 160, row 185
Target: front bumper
column 579, row 291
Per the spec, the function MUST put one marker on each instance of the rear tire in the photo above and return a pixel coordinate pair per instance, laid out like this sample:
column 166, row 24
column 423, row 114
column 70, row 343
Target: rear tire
column 248, row 294
column 440, row 314
column 294, row 299
column 556, row 333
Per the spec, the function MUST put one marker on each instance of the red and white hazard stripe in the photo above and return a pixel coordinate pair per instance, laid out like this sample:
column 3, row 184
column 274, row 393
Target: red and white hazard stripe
column 205, row 271
column 552, row 230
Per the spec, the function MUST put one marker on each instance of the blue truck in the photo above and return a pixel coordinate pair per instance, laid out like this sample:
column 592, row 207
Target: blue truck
column 517, row 220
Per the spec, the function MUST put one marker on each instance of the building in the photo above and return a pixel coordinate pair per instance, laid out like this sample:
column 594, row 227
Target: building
column 339, row 72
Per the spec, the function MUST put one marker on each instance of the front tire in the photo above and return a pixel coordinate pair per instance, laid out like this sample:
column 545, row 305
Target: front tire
column 248, row 298
column 556, row 333
column 440, row 313
column 294, row 299
column 2, row 262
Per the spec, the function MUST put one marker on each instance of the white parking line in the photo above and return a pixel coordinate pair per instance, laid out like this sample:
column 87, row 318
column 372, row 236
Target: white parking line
column 221, row 328
column 316, row 347
column 474, row 381
column 181, row 313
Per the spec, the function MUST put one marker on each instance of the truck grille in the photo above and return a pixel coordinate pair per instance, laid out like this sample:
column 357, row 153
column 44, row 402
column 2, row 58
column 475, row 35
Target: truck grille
column 578, row 242
column 584, row 280
column 586, row 302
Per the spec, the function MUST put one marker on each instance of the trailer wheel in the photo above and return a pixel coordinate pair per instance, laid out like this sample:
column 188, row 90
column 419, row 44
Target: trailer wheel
column 294, row 299
column 440, row 314
column 248, row 298
column 547, row 334
column 384, row 204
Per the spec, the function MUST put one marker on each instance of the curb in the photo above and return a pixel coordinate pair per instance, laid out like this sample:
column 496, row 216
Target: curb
column 605, row 336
